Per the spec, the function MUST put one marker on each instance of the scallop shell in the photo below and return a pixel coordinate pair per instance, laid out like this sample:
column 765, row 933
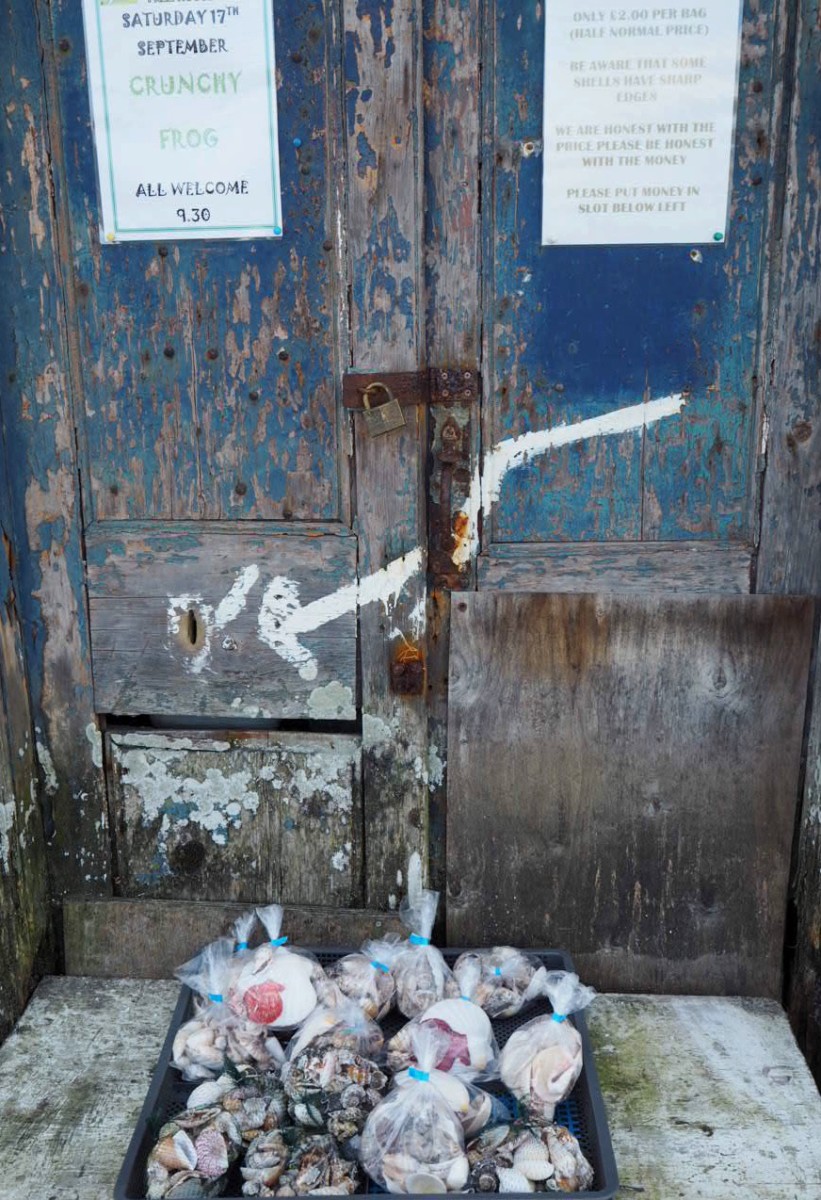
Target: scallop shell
column 533, row 1160
column 276, row 988
column 511, row 1180
column 423, row 1183
column 467, row 1021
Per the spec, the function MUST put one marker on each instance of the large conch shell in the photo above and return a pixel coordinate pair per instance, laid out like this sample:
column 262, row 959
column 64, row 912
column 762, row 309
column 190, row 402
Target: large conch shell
column 543, row 1058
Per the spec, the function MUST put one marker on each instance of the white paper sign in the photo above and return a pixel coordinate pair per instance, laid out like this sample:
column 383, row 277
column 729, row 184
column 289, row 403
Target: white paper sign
column 639, row 110
column 183, row 99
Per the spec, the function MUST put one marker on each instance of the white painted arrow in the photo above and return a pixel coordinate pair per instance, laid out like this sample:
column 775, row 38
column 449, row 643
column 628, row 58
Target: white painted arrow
column 282, row 619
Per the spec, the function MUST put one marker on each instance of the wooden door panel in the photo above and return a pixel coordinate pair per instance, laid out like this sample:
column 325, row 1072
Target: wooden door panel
column 623, row 777
column 578, row 332
column 255, row 817
column 209, row 370
column 191, row 621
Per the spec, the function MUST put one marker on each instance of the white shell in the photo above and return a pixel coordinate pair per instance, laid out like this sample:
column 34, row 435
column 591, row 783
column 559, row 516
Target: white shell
column 210, row 1092
column 422, row 1183
column 177, row 1153
column 533, row 1160
column 479, row 1114
column 511, row 1180
column 292, row 972
column 453, row 1090
column 457, row 1176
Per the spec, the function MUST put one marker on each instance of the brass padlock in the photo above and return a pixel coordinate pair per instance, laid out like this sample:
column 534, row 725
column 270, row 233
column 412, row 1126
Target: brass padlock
column 384, row 417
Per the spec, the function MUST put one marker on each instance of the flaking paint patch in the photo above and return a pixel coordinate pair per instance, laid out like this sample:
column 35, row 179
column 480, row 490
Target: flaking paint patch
column 341, row 859
column 333, row 702
column 155, row 791
column 376, row 732
column 47, row 766
column 7, row 816
column 415, row 881
column 96, row 743
column 436, row 768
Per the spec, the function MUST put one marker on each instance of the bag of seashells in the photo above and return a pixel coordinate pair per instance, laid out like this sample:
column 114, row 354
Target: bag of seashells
column 215, row 1034
column 413, row 1140
column 342, row 1025
column 467, row 1042
column 420, row 972
column 279, row 985
column 509, row 981
column 542, row 1060
column 523, row 1158
column 367, row 977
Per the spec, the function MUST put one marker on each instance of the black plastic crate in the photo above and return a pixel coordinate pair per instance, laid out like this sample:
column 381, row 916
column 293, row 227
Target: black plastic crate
column 583, row 1112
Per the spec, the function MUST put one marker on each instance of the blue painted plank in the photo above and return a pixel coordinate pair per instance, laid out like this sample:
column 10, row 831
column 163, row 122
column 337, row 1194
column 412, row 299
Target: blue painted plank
column 578, row 331
column 210, row 369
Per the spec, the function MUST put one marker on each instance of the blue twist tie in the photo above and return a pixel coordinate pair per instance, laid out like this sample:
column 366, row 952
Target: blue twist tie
column 241, row 946
column 497, row 970
column 416, row 939
column 216, row 997
column 559, row 1017
column 278, row 941
column 380, row 966
column 422, row 1076
column 466, row 998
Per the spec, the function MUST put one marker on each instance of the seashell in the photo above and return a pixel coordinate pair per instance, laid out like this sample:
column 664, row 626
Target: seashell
column 488, row 1143
column 176, row 1152
column 469, row 1030
column 484, row 1177
column 573, row 1173
column 212, row 1154
column 511, row 1180
column 276, row 988
column 210, row 1092
column 458, row 1173
column 191, row 1186
column 533, row 1160
column 422, row 1183
column 478, row 1115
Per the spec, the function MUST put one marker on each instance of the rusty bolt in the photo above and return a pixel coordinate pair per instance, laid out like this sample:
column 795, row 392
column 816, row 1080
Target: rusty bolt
column 408, row 671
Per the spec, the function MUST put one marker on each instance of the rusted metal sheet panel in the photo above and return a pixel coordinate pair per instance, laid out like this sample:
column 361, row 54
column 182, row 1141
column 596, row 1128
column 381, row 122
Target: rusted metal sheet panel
column 189, row 621
column 623, row 775
column 578, row 332
column 147, row 939
column 41, row 510
column 638, row 567
column 251, row 817
column 790, row 551
column 383, row 88
column 209, row 370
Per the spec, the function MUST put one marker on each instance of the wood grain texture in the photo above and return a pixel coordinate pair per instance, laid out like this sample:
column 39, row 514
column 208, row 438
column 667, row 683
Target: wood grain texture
column 384, row 218
column 24, row 883
column 143, row 585
column 574, row 332
column 790, row 551
column 209, row 370
column 636, row 567
column 623, row 776
column 710, row 1123
column 147, row 939
column 251, row 817
column 43, row 513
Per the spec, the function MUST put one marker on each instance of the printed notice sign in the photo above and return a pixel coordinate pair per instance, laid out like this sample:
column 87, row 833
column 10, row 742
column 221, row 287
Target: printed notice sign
column 183, row 99
column 639, row 111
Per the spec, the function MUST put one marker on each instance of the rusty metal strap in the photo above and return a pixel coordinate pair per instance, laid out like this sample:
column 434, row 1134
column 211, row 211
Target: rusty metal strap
column 454, row 385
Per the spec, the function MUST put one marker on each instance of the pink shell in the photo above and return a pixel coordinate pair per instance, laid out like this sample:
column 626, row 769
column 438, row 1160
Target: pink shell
column 212, row 1155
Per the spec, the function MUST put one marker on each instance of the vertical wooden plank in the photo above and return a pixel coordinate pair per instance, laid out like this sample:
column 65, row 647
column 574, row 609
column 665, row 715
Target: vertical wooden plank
column 384, row 225
column 39, row 427
column 24, row 909
column 623, row 778
column 452, row 336
column 790, row 549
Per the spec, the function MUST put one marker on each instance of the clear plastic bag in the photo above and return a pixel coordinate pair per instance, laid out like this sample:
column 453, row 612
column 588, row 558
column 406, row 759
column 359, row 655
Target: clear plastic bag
column 542, row 1060
column 413, row 1140
column 468, row 1042
column 279, row 985
column 215, row 1033
column 510, row 979
column 242, row 929
column 342, row 1025
column 367, row 977
column 421, row 974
